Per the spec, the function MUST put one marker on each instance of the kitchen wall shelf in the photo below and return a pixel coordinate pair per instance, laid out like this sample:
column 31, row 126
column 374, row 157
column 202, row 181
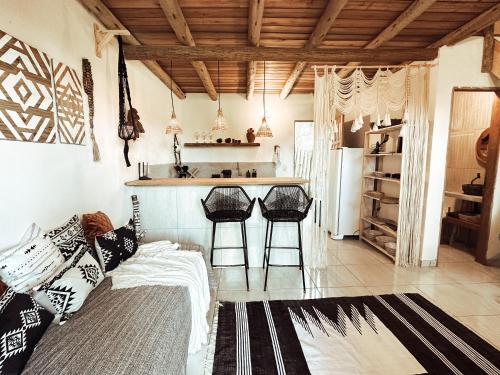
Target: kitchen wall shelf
column 373, row 206
column 464, row 197
column 222, row 144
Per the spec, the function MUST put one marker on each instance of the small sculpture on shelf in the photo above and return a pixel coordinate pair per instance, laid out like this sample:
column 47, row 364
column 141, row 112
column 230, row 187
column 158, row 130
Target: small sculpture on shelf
column 250, row 135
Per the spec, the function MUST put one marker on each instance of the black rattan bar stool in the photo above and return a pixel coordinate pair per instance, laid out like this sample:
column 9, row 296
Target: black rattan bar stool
column 229, row 204
column 285, row 204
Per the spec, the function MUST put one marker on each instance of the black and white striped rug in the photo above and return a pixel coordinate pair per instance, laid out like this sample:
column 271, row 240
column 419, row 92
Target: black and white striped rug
column 388, row 334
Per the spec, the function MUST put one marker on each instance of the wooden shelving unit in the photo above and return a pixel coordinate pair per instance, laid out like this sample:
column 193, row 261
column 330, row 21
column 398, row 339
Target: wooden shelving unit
column 388, row 161
column 221, row 144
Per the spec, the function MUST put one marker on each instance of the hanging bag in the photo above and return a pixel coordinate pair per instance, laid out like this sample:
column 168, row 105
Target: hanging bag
column 127, row 130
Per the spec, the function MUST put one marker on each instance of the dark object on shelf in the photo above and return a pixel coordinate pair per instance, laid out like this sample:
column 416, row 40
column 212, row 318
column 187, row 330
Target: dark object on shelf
column 472, row 188
column 482, row 147
column 219, row 140
column 250, row 135
column 396, row 175
column 284, row 204
column 177, row 151
column 143, row 171
column 226, row 173
column 254, row 173
column 126, row 130
column 181, row 171
column 248, row 174
column 225, row 205
column 399, row 149
column 227, row 140
column 216, row 176
column 221, row 144
column 452, row 214
column 378, row 145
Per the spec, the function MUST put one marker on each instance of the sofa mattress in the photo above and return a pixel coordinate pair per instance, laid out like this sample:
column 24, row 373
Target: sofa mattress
column 142, row 330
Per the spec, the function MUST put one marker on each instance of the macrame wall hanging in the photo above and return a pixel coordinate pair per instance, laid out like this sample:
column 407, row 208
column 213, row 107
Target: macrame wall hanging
column 88, row 87
column 127, row 130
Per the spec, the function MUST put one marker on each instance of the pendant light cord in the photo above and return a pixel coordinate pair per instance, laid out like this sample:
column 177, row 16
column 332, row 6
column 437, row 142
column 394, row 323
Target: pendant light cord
column 218, row 81
column 171, row 87
column 264, row 92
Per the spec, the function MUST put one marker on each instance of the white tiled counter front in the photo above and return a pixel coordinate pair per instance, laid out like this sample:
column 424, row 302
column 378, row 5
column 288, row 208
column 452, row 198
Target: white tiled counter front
column 175, row 213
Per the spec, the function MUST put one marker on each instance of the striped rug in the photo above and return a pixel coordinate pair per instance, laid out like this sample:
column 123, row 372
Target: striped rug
column 388, row 334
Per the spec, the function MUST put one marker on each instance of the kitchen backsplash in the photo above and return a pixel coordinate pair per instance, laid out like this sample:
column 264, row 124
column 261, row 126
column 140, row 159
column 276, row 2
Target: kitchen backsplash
column 264, row 169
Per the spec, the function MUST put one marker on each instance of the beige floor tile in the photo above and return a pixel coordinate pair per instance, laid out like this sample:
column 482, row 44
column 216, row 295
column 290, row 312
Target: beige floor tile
column 242, row 295
column 348, row 291
column 292, row 294
column 468, row 272
column 462, row 300
column 357, row 256
column 447, row 254
column 234, row 279
column 488, row 327
column 422, row 275
column 393, row 289
column 379, row 274
column 287, row 278
column 333, row 276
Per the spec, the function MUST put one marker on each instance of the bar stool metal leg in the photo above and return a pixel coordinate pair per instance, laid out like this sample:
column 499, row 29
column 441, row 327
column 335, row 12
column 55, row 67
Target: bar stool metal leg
column 269, row 254
column 214, row 224
column 245, row 255
column 265, row 246
column 301, row 258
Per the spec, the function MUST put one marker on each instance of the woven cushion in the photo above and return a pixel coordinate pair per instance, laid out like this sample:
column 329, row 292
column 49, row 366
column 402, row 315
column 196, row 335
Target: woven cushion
column 22, row 324
column 228, row 215
column 69, row 237
column 95, row 224
column 116, row 246
column 66, row 292
column 30, row 263
column 2, row 287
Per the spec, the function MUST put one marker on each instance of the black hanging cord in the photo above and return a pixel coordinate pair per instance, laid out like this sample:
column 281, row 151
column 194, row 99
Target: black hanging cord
column 123, row 89
column 171, row 85
column 218, row 81
column 264, row 92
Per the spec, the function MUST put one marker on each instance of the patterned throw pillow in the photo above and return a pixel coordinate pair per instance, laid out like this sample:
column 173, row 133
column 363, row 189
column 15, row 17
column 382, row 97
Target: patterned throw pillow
column 69, row 237
column 22, row 324
column 66, row 292
column 95, row 225
column 30, row 263
column 116, row 246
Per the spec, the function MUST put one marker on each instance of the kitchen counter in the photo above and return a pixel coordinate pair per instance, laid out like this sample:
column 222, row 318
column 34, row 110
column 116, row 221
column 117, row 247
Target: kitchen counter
column 218, row 181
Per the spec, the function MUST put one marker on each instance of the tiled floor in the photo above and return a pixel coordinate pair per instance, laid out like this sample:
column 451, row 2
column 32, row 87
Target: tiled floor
column 463, row 288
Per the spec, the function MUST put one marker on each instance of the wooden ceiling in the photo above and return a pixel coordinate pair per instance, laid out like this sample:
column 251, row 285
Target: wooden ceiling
column 287, row 23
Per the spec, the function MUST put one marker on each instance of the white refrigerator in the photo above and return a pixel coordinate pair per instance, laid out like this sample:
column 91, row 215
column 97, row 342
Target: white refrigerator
column 346, row 166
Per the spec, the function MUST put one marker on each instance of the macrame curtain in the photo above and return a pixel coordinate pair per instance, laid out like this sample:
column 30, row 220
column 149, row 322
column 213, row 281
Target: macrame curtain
column 384, row 94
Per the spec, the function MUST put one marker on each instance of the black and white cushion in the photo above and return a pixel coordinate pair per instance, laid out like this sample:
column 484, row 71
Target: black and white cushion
column 116, row 246
column 69, row 237
column 31, row 262
column 22, row 324
column 66, row 292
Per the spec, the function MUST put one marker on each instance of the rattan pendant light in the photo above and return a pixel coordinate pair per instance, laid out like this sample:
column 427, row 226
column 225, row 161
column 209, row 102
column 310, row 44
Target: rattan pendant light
column 220, row 123
column 173, row 126
column 264, row 129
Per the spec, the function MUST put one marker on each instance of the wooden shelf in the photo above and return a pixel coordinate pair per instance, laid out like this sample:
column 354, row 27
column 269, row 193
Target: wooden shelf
column 464, row 197
column 388, row 179
column 379, row 199
column 378, row 247
column 389, row 129
column 234, row 181
column 222, row 144
column 383, row 154
column 383, row 227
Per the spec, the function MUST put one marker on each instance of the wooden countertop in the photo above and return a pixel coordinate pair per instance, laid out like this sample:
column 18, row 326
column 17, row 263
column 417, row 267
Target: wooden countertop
column 218, row 181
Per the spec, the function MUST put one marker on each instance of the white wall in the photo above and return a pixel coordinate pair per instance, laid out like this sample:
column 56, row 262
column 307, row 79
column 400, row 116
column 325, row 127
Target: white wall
column 459, row 66
column 47, row 184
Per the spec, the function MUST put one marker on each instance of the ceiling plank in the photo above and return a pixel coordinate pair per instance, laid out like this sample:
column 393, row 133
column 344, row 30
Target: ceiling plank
column 175, row 17
column 255, row 15
column 474, row 26
column 410, row 14
column 324, row 24
column 214, row 53
column 108, row 19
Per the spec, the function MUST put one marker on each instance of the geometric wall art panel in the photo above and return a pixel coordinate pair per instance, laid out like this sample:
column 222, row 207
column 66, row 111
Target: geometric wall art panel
column 26, row 95
column 69, row 104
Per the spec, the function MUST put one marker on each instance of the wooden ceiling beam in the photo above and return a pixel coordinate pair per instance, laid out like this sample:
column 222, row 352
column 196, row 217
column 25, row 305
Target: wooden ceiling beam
column 409, row 15
column 477, row 24
column 255, row 15
column 320, row 55
column 324, row 25
column 108, row 19
column 175, row 17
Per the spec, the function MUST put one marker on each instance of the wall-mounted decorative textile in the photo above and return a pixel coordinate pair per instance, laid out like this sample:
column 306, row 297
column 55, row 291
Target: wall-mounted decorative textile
column 26, row 96
column 69, row 104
